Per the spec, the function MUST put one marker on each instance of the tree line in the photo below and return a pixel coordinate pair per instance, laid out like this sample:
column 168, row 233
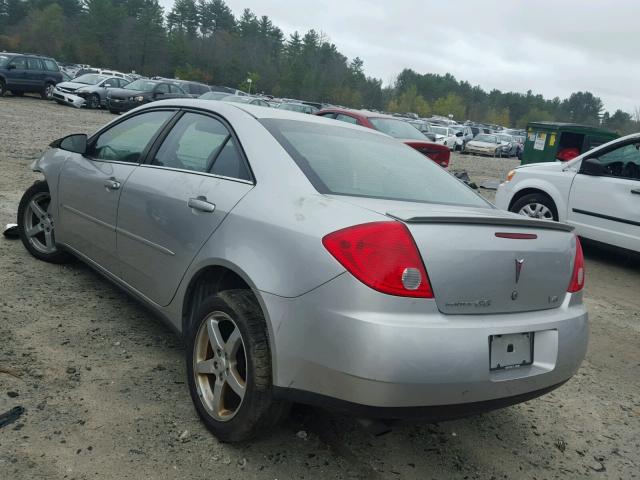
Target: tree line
column 203, row 40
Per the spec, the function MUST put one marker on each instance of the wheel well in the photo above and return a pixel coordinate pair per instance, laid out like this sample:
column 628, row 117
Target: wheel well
column 528, row 191
column 207, row 282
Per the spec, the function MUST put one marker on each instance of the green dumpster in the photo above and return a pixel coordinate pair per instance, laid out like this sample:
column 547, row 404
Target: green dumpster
column 551, row 141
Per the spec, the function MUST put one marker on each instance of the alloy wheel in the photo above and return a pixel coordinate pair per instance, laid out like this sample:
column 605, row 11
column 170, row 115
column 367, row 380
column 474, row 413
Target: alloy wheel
column 48, row 91
column 220, row 366
column 537, row 210
column 38, row 224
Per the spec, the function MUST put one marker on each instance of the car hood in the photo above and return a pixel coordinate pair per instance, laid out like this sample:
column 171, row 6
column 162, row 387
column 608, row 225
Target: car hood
column 71, row 86
column 476, row 143
column 546, row 166
column 123, row 93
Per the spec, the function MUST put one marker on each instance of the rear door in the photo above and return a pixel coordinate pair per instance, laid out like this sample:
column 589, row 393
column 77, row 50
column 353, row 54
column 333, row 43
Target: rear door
column 90, row 186
column 607, row 208
column 35, row 74
column 17, row 74
column 172, row 204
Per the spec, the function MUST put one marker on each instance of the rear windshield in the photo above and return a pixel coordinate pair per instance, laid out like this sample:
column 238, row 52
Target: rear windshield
column 346, row 161
column 397, row 128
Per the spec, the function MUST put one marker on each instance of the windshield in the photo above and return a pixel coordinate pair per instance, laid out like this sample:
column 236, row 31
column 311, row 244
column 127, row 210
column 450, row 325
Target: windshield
column 294, row 107
column 486, row 138
column 141, row 85
column 215, row 96
column 505, row 138
column 345, row 161
column 397, row 128
column 439, row 130
column 89, row 79
column 4, row 59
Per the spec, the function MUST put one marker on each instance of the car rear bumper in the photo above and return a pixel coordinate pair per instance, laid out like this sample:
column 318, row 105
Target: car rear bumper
column 68, row 98
column 347, row 342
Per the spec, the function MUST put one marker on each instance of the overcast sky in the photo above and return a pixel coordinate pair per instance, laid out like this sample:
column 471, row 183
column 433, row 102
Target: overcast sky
column 551, row 47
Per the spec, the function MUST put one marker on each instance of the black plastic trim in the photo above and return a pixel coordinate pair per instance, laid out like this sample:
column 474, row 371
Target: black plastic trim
column 430, row 413
column 606, row 217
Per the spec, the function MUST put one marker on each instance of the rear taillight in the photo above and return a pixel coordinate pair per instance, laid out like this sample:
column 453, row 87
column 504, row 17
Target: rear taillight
column 577, row 277
column 382, row 255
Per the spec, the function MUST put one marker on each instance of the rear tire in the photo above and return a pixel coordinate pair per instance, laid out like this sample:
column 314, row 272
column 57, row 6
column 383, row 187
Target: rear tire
column 230, row 379
column 536, row 205
column 36, row 226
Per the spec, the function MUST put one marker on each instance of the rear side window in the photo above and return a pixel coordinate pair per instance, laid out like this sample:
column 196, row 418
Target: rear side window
column 202, row 144
column 50, row 65
column 345, row 161
column 192, row 144
column 34, row 64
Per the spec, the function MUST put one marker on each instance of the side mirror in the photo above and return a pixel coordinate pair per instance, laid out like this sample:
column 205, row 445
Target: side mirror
column 157, row 94
column 72, row 143
column 459, row 134
column 592, row 166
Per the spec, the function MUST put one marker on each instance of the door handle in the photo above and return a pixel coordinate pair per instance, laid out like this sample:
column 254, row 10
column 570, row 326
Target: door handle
column 201, row 204
column 112, row 184
column 636, row 192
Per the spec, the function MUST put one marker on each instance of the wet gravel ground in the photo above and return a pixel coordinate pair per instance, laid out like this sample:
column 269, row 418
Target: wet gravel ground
column 103, row 382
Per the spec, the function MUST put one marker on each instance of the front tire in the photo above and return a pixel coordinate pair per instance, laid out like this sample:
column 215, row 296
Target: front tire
column 36, row 226
column 536, row 205
column 93, row 101
column 47, row 91
column 3, row 88
column 229, row 367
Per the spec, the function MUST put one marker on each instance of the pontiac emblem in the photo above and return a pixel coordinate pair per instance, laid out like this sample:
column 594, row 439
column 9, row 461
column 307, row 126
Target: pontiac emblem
column 519, row 264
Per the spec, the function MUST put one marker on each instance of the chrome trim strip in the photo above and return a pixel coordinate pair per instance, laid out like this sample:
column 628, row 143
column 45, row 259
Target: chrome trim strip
column 148, row 243
column 205, row 174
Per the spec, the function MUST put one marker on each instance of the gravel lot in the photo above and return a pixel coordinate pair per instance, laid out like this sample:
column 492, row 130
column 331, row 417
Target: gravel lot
column 103, row 382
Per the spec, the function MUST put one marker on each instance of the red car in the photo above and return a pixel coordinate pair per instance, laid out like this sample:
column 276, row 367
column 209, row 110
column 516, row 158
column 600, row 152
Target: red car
column 393, row 127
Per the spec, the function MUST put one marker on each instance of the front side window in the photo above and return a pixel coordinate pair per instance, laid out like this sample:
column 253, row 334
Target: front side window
column 623, row 162
column 110, row 82
column 126, row 141
column 50, row 65
column 345, row 161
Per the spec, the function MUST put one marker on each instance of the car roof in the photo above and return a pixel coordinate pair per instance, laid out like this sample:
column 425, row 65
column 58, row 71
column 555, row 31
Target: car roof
column 361, row 113
column 256, row 111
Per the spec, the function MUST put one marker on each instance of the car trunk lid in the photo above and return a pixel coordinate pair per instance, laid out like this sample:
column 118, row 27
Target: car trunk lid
column 485, row 261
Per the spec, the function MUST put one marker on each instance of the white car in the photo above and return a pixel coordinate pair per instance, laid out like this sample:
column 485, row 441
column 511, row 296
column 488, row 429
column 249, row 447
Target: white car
column 445, row 136
column 598, row 192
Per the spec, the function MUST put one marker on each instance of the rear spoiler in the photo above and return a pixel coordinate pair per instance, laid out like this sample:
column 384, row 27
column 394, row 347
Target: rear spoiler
column 506, row 221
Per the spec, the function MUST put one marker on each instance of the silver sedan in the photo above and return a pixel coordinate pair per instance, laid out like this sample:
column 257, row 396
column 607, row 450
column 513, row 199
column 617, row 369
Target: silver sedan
column 307, row 260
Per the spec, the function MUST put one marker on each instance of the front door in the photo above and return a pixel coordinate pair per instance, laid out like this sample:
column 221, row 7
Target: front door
column 17, row 74
column 606, row 208
column 91, row 184
column 171, row 206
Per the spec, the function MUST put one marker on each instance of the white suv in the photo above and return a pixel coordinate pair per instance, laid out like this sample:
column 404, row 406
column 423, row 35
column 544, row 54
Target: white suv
column 597, row 192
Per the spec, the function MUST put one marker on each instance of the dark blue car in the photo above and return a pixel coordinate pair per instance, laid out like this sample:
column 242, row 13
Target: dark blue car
column 21, row 73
